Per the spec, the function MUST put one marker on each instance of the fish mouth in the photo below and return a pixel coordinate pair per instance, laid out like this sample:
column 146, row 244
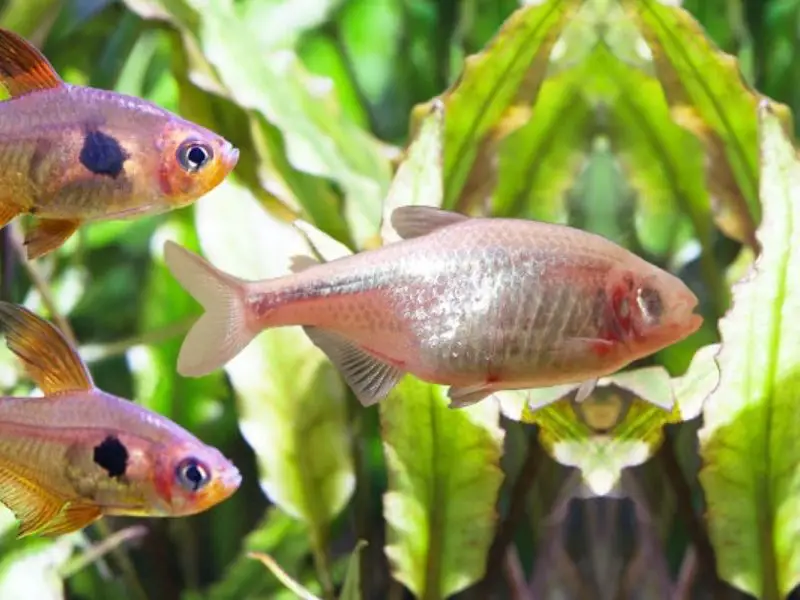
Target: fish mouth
column 230, row 157
column 684, row 317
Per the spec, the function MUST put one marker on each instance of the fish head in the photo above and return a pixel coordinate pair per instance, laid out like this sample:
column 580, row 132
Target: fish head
column 193, row 161
column 653, row 309
column 191, row 478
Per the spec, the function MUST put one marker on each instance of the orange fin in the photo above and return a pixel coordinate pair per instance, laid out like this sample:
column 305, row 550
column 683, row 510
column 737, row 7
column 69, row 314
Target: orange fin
column 48, row 235
column 23, row 68
column 73, row 517
column 7, row 213
column 48, row 357
column 33, row 506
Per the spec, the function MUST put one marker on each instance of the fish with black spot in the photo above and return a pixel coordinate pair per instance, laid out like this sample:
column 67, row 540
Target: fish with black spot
column 77, row 453
column 72, row 154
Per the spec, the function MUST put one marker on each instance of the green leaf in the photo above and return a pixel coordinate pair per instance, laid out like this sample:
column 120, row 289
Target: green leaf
column 721, row 107
column 290, row 401
column 540, row 161
column 620, row 424
column 444, row 477
column 351, row 590
column 505, row 76
column 749, row 443
column 318, row 139
column 656, row 154
column 418, row 180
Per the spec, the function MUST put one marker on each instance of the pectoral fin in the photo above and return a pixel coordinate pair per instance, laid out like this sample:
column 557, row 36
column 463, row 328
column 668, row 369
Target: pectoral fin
column 49, row 359
column 416, row 221
column 33, row 506
column 48, row 235
column 585, row 390
column 23, row 69
column 370, row 378
column 461, row 397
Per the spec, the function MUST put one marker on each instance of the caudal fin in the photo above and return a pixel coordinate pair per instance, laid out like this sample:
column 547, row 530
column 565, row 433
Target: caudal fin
column 222, row 332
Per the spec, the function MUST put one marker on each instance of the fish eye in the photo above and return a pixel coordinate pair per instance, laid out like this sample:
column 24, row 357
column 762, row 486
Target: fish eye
column 650, row 303
column 193, row 156
column 192, row 474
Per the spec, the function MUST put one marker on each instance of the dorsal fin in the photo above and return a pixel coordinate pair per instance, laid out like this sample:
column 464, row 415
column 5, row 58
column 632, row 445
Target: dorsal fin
column 416, row 221
column 49, row 359
column 23, row 69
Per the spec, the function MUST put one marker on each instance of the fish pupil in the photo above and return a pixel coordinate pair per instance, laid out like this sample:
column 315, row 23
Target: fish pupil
column 192, row 474
column 111, row 455
column 193, row 155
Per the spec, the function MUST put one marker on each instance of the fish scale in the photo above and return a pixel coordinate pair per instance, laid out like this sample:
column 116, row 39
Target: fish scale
column 478, row 304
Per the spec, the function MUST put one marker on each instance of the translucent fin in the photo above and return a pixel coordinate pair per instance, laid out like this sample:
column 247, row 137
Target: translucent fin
column 47, row 235
column 416, row 221
column 370, row 378
column 585, row 390
column 222, row 332
column 75, row 516
column 301, row 262
column 461, row 397
column 49, row 359
column 23, row 69
column 33, row 506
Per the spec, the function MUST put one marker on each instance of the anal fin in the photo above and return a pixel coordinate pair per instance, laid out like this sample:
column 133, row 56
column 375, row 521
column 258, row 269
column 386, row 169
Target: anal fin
column 370, row 378
column 585, row 390
column 48, row 235
column 73, row 517
column 461, row 397
column 33, row 506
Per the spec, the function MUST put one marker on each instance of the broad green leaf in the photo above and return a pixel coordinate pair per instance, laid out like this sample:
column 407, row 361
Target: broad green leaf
column 318, row 139
column 418, row 180
column 749, row 443
column 444, row 477
column 351, row 590
column 282, row 22
column 722, row 107
column 32, row 570
column 621, row 424
column 496, row 84
column 540, row 161
column 663, row 162
column 290, row 401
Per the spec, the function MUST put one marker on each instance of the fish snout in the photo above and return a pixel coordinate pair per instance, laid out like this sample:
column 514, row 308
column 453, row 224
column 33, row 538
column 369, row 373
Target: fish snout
column 230, row 156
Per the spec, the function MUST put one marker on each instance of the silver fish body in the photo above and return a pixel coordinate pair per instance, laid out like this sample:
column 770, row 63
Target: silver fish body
column 480, row 304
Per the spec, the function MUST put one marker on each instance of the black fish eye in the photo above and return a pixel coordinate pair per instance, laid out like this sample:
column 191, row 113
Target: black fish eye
column 192, row 474
column 650, row 303
column 193, row 156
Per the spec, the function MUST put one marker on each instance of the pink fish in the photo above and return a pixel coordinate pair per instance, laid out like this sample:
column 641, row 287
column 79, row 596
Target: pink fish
column 479, row 304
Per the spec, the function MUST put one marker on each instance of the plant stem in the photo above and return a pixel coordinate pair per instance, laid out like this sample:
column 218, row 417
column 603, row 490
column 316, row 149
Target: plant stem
column 321, row 562
column 125, row 564
column 96, row 352
column 516, row 512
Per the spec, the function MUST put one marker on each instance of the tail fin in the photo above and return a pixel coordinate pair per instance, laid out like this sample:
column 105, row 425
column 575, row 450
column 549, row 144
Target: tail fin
column 222, row 332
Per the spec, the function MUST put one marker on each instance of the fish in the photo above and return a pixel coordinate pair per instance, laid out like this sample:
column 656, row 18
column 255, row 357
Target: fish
column 71, row 154
column 76, row 454
column 479, row 304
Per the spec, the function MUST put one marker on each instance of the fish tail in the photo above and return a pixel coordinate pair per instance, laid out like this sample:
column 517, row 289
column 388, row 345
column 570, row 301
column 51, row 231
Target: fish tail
column 223, row 330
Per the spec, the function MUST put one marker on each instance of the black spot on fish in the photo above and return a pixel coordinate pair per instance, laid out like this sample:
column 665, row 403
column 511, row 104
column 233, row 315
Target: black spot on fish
column 112, row 455
column 102, row 155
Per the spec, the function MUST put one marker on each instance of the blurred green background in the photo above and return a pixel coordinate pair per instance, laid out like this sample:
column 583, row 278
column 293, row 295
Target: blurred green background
column 318, row 95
